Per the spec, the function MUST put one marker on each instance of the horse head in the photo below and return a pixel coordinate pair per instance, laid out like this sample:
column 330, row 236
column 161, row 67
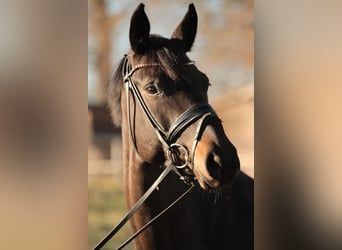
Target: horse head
column 170, row 85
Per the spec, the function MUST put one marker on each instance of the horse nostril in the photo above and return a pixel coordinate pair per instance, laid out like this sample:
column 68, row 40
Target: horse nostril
column 214, row 166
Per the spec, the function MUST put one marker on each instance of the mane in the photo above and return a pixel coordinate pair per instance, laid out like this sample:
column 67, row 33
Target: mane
column 168, row 53
column 114, row 94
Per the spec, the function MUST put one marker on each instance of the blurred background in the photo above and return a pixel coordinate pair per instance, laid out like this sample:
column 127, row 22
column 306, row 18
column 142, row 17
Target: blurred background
column 43, row 124
column 223, row 49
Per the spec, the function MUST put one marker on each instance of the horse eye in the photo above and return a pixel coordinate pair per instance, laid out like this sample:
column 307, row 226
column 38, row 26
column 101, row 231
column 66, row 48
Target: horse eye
column 151, row 89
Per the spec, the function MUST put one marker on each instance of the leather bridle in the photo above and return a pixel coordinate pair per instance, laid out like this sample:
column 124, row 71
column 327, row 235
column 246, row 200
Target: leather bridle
column 168, row 138
column 183, row 167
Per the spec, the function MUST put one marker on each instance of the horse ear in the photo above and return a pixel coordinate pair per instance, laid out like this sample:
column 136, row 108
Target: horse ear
column 186, row 30
column 139, row 30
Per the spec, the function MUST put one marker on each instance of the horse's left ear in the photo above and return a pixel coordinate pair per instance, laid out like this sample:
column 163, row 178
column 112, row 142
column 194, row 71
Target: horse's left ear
column 139, row 30
column 186, row 30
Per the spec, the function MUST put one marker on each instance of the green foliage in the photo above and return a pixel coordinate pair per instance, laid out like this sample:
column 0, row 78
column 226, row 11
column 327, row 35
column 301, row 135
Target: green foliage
column 106, row 206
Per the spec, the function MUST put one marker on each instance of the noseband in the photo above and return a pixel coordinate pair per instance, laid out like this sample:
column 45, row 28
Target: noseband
column 168, row 138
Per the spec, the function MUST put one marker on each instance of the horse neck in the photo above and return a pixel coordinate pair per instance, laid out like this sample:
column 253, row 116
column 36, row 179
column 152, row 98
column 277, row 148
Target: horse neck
column 134, row 173
column 138, row 176
column 190, row 223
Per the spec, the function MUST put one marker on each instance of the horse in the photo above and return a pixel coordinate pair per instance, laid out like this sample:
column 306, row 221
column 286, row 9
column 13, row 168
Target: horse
column 167, row 98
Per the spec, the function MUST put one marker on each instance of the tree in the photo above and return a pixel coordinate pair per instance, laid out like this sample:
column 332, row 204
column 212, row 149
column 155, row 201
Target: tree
column 100, row 24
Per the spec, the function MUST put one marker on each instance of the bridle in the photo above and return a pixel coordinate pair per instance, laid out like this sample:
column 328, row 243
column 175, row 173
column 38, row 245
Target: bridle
column 168, row 138
column 182, row 167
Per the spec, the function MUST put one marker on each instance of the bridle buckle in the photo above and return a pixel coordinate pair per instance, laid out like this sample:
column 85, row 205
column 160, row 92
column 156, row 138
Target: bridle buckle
column 179, row 155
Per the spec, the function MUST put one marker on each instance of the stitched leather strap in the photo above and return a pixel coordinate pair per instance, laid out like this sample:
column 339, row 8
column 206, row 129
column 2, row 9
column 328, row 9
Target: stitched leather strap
column 188, row 117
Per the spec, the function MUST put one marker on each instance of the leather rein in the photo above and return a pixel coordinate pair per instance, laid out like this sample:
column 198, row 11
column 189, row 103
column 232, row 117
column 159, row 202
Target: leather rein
column 198, row 112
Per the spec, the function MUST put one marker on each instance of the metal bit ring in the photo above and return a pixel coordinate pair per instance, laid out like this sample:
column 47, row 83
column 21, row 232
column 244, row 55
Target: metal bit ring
column 175, row 151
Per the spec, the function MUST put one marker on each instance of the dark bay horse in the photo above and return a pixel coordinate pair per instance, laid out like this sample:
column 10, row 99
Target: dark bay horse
column 218, row 212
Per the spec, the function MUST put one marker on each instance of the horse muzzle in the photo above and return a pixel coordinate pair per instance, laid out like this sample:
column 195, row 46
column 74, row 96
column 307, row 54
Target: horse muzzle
column 216, row 161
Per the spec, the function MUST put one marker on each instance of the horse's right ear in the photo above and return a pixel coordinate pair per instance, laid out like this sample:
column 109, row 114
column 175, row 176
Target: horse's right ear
column 187, row 29
column 139, row 30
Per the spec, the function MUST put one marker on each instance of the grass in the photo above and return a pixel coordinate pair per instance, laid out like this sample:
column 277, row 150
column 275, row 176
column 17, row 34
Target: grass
column 106, row 207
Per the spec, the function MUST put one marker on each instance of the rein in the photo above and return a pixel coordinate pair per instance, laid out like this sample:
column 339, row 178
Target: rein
column 198, row 112
column 134, row 209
